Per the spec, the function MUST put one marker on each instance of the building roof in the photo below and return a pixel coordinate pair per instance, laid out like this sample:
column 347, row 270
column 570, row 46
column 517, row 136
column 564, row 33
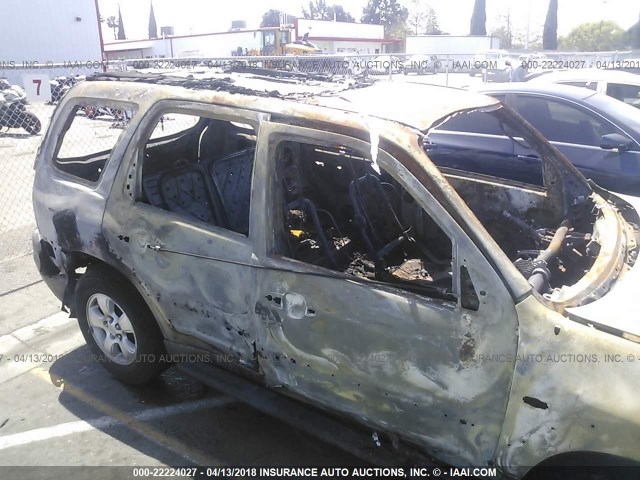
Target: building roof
column 322, row 29
column 128, row 45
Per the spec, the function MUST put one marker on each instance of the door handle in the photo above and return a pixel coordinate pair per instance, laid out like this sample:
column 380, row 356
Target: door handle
column 294, row 305
column 528, row 157
column 275, row 299
column 157, row 247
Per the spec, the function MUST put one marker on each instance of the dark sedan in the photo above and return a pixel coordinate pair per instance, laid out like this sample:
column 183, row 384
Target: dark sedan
column 598, row 134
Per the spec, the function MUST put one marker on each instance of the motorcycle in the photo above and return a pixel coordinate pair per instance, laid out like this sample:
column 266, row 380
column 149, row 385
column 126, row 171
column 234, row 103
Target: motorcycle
column 61, row 85
column 13, row 111
column 121, row 117
column 92, row 111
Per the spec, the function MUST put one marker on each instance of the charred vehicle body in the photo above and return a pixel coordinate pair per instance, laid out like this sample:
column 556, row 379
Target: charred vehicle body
column 299, row 231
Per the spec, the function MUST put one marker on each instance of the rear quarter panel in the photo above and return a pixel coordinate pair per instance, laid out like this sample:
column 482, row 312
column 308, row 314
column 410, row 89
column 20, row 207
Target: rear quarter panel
column 68, row 209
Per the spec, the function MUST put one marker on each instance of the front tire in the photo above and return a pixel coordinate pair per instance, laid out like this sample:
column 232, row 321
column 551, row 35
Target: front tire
column 119, row 327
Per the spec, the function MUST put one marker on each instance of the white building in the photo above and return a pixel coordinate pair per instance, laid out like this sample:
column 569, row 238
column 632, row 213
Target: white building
column 330, row 37
column 35, row 32
column 344, row 37
column 458, row 45
column 219, row 44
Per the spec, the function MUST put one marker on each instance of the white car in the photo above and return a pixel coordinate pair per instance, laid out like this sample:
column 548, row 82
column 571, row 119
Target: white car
column 623, row 86
column 480, row 60
column 385, row 65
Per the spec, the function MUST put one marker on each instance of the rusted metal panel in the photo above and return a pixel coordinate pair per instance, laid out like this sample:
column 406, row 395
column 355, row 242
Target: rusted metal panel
column 591, row 404
column 383, row 355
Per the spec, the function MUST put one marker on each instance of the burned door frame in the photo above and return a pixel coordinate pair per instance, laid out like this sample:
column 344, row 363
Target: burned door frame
column 453, row 405
column 197, row 276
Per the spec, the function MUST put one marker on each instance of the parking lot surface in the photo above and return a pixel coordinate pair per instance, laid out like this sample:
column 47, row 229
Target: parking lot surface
column 58, row 407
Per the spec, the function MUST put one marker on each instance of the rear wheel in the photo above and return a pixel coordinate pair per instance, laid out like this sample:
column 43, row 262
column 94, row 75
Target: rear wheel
column 31, row 123
column 119, row 327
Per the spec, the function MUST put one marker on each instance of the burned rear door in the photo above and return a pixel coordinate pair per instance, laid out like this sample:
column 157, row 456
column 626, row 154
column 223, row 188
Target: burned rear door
column 180, row 221
column 371, row 301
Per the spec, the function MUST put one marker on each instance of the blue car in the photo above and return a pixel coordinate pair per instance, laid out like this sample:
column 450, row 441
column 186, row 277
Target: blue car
column 598, row 134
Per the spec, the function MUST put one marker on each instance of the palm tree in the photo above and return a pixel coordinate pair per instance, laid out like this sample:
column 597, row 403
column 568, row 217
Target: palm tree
column 479, row 18
column 550, row 33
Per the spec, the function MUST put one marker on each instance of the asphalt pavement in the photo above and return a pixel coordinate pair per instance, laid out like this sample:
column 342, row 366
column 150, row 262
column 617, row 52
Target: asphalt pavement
column 58, row 407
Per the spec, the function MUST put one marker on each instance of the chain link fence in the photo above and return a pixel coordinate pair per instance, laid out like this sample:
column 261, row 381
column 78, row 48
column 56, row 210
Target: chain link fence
column 21, row 128
column 28, row 98
column 22, row 123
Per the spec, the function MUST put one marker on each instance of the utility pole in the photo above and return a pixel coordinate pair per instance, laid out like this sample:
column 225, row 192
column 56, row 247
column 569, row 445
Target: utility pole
column 526, row 42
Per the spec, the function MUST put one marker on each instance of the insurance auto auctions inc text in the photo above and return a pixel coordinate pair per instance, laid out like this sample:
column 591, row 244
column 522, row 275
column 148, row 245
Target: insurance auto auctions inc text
column 351, row 472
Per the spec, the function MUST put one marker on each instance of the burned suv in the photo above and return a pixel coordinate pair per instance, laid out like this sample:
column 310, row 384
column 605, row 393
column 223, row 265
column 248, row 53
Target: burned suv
column 297, row 234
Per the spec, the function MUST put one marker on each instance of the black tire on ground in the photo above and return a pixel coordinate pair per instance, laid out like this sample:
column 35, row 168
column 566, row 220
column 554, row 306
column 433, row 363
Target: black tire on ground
column 149, row 361
column 31, row 123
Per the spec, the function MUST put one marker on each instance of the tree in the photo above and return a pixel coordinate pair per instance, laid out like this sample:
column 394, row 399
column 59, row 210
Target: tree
column 319, row 10
column 505, row 31
column 338, row 13
column 550, row 34
column 153, row 27
column 271, row 18
column 417, row 17
column 633, row 36
column 479, row 18
column 512, row 38
column 112, row 23
column 432, row 26
column 121, row 34
column 594, row 37
column 422, row 19
column 388, row 13
column 505, row 35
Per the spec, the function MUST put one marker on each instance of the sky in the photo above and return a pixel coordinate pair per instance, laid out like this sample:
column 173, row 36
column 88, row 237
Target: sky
column 203, row 16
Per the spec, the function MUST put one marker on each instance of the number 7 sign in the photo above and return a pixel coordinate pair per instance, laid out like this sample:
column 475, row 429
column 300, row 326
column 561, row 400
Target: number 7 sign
column 37, row 87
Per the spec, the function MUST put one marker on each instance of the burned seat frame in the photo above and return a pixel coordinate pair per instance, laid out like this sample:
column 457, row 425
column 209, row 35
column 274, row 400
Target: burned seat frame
column 206, row 192
column 361, row 192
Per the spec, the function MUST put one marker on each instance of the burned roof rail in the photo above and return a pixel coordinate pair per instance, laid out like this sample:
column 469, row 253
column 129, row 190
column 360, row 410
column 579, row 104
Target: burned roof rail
column 217, row 84
column 228, row 83
column 278, row 74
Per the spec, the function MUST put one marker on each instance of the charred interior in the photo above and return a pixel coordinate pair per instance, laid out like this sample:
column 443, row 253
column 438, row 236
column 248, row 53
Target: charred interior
column 339, row 213
column 549, row 250
column 336, row 211
column 516, row 187
column 200, row 168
